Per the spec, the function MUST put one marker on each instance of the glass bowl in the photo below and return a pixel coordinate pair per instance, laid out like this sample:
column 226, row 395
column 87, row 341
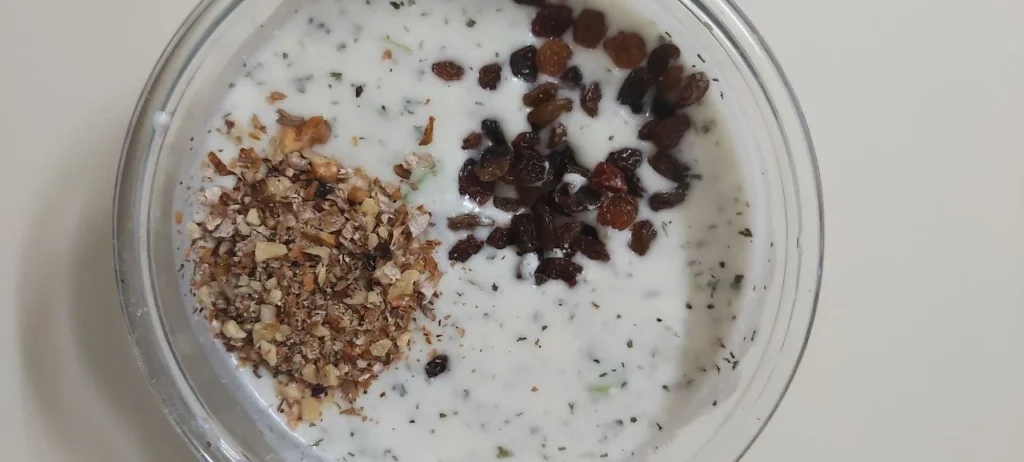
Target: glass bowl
column 195, row 381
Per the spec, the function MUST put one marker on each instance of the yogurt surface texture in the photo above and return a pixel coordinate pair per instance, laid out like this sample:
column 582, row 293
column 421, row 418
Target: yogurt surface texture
column 599, row 371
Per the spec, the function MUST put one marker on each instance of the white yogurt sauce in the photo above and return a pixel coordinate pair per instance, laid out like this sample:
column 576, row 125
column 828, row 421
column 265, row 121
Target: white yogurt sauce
column 544, row 373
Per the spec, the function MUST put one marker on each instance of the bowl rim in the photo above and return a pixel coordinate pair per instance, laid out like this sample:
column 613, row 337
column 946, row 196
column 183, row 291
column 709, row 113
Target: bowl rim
column 152, row 350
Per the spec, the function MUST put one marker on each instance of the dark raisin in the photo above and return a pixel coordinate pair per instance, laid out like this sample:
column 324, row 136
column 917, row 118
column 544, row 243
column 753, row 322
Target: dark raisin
column 551, row 21
column 529, row 195
column 448, row 70
column 544, row 221
column 542, row 116
column 499, row 238
column 566, row 233
column 465, row 221
column 647, row 130
column 562, row 269
column 470, row 185
column 524, row 231
column 572, row 77
column 661, row 57
column 543, row 93
column 635, row 88
column 492, row 130
column 590, row 98
column 525, row 142
column 661, row 106
column 465, row 248
column 563, row 161
column 590, row 231
column 472, row 141
column 553, row 57
column 633, row 185
column 323, row 190
column 608, row 178
column 642, row 234
column 523, row 63
column 627, row 49
column 558, row 137
column 507, row 204
column 669, row 167
column 530, row 170
column 694, row 87
column 592, row 248
column 617, row 212
column 494, row 163
column 667, row 199
column 437, row 366
column 318, row 390
column 383, row 249
column 585, row 198
column 670, row 80
column 590, row 28
column 489, row 76
column 626, row 159
column 669, row 132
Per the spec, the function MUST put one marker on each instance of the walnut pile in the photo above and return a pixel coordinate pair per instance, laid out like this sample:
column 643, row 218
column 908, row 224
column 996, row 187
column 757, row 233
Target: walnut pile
column 309, row 269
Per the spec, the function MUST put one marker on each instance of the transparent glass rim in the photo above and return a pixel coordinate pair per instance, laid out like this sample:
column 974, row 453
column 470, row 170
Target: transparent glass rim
column 723, row 19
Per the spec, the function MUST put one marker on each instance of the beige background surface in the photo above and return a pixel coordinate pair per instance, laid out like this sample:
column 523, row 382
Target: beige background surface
column 915, row 107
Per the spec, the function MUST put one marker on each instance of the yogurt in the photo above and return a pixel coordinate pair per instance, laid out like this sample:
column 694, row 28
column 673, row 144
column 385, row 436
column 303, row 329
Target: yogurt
column 597, row 371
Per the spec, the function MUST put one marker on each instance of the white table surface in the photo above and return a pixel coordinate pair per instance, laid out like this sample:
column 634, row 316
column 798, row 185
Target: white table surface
column 915, row 108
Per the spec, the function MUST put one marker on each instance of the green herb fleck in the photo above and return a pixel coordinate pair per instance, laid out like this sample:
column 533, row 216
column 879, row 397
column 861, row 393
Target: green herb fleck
column 336, row 75
column 388, row 39
column 601, row 389
column 442, row 415
column 396, row 5
column 745, row 232
column 470, row 22
column 317, row 443
column 629, row 343
column 504, row 453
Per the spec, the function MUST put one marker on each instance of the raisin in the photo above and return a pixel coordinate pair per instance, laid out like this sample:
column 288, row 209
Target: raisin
column 617, row 212
column 642, row 234
column 492, row 130
column 465, row 249
column 543, row 93
column 626, row 159
column 694, row 87
column 633, row 185
column 523, row 63
column 448, row 70
column 544, row 221
column 401, row 171
column 383, row 249
column 563, row 161
column 667, row 199
column 465, row 221
column 590, row 28
column 566, row 233
column 507, row 204
column 608, row 178
column 670, row 80
column 553, row 57
column 558, row 138
column 661, row 106
column 627, row 49
column 669, row 167
column 590, row 231
column 489, row 76
column 562, row 269
column 470, row 185
column 499, row 238
column 572, row 77
column 590, row 98
column 551, row 21
column 585, row 198
column 530, row 170
column 437, row 366
column 323, row 190
column 529, row 195
column 634, row 89
column 494, row 163
column 647, row 130
column 472, row 141
column 592, row 248
column 524, row 230
column 661, row 57
column 669, row 132
column 542, row 116
column 370, row 260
